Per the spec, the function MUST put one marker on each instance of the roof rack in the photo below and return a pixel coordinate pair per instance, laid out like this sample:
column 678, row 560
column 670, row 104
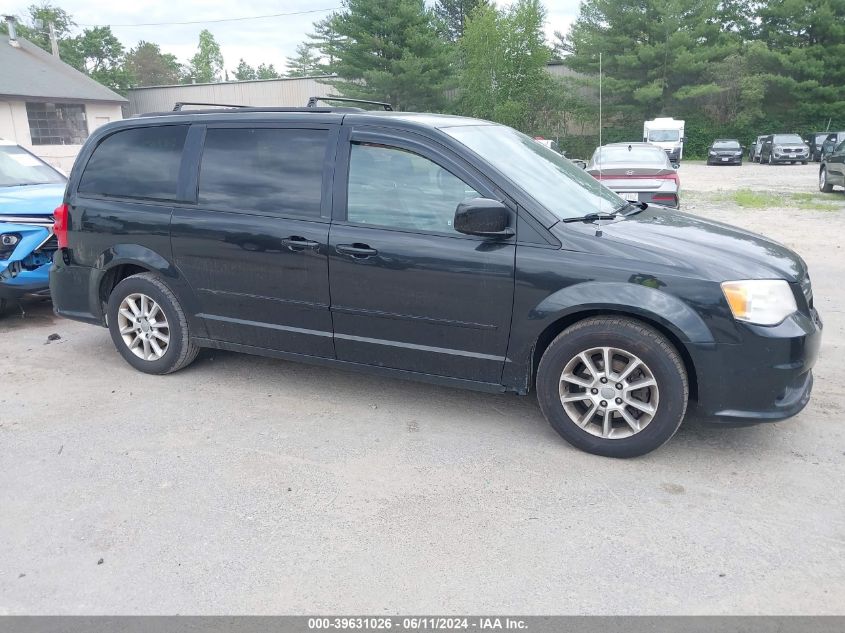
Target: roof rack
column 177, row 107
column 312, row 102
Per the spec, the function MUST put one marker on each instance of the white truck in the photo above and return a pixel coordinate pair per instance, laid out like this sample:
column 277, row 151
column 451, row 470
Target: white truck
column 668, row 134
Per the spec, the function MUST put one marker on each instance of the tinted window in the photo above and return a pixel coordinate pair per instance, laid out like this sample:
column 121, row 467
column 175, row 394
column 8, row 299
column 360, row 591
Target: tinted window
column 137, row 163
column 268, row 170
column 395, row 188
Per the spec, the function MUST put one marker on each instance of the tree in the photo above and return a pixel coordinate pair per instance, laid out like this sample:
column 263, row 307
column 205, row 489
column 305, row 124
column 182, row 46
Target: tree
column 206, row 65
column 36, row 28
column 455, row 14
column 390, row 50
column 324, row 39
column 99, row 54
column 146, row 65
column 265, row 71
column 503, row 77
column 305, row 63
column 244, row 71
column 656, row 53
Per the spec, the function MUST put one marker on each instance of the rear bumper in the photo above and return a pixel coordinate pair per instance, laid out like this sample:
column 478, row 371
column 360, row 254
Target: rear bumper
column 765, row 378
column 71, row 287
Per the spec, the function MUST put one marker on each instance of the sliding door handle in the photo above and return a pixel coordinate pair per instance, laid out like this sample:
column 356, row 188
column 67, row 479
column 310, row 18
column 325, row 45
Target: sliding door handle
column 297, row 243
column 356, row 250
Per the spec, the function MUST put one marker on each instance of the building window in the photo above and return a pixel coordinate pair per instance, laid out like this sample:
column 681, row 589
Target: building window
column 57, row 123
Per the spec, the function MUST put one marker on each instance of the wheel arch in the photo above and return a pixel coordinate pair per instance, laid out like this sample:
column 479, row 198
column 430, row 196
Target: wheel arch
column 556, row 327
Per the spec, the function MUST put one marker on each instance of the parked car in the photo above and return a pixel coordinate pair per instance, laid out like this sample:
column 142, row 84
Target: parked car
column 725, row 151
column 30, row 190
column 756, row 146
column 784, row 148
column 832, row 169
column 639, row 172
column 545, row 142
column 439, row 248
column 831, row 142
column 814, row 142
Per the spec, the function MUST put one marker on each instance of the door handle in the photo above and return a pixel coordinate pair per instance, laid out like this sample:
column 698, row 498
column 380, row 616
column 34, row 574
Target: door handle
column 297, row 243
column 356, row 250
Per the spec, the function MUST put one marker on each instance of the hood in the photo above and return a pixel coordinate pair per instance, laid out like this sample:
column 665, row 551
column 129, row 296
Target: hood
column 31, row 199
column 693, row 245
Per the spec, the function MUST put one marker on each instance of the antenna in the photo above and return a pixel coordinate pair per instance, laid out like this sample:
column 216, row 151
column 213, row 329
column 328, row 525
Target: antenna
column 599, row 198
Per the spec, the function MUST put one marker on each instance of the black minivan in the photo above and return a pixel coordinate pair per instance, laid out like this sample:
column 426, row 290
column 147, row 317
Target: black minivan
column 439, row 248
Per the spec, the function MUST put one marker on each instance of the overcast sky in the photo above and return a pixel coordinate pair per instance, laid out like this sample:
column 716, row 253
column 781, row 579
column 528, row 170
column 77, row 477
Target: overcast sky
column 268, row 40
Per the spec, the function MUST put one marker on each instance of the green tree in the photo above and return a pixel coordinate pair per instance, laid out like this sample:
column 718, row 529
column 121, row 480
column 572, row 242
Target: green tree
column 503, row 76
column 206, row 65
column 304, row 63
column 324, row 39
column 455, row 14
column 244, row 71
column 100, row 54
column 35, row 27
column 146, row 65
column 656, row 53
column 804, row 67
column 265, row 71
column 390, row 50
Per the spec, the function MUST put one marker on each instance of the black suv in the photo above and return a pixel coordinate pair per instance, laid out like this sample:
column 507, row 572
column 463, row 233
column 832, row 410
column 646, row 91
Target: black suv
column 784, row 148
column 439, row 248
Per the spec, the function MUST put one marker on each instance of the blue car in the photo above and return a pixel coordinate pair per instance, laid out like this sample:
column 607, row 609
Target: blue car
column 29, row 191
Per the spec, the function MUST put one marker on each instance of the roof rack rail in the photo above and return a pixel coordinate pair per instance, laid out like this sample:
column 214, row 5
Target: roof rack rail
column 177, row 107
column 312, row 102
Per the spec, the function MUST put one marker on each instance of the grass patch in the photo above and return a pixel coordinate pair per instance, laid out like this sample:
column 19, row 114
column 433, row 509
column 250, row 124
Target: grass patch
column 748, row 199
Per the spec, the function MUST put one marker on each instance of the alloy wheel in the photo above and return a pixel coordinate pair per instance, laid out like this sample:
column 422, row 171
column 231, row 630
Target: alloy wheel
column 143, row 326
column 609, row 392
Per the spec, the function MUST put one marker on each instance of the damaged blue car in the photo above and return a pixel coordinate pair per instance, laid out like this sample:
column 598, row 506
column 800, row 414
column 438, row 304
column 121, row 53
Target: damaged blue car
column 30, row 190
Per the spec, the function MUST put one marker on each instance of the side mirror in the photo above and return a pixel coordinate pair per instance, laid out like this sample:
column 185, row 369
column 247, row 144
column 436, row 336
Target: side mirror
column 483, row 217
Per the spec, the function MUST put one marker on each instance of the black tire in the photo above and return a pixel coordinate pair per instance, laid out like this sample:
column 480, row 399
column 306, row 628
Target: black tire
column 180, row 351
column 824, row 185
column 635, row 338
column 803, row 162
column 771, row 159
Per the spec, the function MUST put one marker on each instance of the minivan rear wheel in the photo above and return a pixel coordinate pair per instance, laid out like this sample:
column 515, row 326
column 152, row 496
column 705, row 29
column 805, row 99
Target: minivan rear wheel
column 613, row 386
column 148, row 326
column 824, row 185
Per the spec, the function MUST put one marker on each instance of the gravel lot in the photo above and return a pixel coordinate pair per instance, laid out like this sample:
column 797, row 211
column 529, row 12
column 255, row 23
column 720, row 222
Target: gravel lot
column 248, row 485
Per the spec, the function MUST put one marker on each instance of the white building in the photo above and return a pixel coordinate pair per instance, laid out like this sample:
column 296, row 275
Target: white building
column 48, row 106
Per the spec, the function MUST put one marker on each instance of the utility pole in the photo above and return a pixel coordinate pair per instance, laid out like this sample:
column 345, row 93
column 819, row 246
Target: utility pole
column 54, row 42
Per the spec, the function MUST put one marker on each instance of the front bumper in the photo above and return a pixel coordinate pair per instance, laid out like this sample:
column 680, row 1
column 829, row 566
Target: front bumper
column 766, row 377
column 790, row 158
column 27, row 268
column 724, row 160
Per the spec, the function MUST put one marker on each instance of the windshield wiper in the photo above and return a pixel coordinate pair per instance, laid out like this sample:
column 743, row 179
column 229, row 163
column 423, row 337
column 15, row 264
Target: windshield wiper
column 591, row 217
column 633, row 208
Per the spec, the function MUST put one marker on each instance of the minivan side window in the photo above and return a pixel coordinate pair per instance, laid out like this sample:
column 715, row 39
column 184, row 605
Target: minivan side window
column 139, row 162
column 265, row 170
column 395, row 188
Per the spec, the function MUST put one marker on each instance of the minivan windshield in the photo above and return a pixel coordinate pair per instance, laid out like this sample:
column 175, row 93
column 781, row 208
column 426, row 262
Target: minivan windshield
column 19, row 167
column 664, row 136
column 561, row 187
column 788, row 138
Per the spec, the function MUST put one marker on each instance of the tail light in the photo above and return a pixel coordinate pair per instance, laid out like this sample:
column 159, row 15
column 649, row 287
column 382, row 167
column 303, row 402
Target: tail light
column 60, row 222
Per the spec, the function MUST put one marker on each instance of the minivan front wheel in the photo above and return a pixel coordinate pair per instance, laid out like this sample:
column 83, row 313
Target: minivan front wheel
column 613, row 386
column 824, row 185
column 148, row 326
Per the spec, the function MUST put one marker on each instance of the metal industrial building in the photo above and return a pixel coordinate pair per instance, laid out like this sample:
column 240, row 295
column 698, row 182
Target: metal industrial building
column 288, row 92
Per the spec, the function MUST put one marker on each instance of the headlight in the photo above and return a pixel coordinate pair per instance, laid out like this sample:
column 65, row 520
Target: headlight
column 778, row 148
column 712, row 153
column 760, row 301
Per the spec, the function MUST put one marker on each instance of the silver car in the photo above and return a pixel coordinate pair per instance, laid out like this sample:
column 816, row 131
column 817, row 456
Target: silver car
column 639, row 172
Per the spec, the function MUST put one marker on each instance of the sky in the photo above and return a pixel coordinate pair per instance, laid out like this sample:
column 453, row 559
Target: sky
column 269, row 40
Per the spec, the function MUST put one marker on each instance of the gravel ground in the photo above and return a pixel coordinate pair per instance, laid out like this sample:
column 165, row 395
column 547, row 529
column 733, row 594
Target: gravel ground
column 248, row 485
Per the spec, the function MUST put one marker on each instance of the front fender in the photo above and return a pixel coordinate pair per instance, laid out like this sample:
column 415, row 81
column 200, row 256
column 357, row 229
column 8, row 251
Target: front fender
column 593, row 297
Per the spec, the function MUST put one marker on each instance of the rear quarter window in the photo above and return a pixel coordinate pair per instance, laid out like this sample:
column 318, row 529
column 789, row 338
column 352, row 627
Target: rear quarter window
column 136, row 163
